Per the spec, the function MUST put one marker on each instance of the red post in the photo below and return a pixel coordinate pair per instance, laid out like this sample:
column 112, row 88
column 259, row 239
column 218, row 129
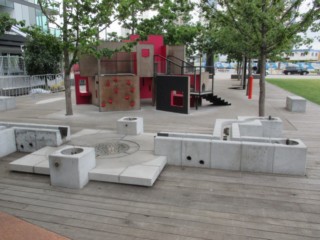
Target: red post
column 250, row 87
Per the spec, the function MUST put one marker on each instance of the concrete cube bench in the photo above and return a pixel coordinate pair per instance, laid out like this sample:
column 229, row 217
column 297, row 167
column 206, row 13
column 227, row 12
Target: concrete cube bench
column 7, row 103
column 296, row 104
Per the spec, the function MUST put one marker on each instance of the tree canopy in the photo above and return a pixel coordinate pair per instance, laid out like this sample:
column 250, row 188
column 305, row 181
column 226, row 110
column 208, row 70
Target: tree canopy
column 6, row 22
column 82, row 21
column 42, row 52
column 261, row 28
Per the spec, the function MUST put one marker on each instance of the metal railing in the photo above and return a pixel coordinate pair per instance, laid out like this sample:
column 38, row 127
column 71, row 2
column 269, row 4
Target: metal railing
column 22, row 85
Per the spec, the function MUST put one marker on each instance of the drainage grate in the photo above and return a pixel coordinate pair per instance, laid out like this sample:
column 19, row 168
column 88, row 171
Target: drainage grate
column 111, row 148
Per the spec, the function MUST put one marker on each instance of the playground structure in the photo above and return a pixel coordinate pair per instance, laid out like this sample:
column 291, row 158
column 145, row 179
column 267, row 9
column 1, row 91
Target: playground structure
column 151, row 70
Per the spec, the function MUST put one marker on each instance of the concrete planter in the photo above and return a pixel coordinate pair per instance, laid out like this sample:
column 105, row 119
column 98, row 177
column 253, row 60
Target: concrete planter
column 130, row 126
column 70, row 166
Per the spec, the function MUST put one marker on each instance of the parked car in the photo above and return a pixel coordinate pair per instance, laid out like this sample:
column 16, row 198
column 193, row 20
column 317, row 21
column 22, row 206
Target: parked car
column 295, row 70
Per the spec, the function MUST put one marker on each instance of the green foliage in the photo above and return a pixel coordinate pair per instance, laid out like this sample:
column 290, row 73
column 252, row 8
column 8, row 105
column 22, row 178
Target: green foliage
column 272, row 26
column 263, row 28
column 306, row 88
column 42, row 52
column 172, row 20
column 6, row 22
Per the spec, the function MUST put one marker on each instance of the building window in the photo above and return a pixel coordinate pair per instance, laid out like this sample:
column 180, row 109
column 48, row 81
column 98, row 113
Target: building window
column 42, row 21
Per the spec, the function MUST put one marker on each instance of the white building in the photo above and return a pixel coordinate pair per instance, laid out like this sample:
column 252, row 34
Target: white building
column 304, row 55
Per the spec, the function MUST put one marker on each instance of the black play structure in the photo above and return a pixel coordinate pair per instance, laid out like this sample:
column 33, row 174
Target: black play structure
column 183, row 85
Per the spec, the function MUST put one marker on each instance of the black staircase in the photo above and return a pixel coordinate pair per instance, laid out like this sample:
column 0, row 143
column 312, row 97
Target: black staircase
column 215, row 100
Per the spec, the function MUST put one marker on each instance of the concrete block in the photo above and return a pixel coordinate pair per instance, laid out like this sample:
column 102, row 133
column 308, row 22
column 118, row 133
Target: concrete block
column 26, row 163
column 70, row 166
column 234, row 132
column 48, row 137
column 160, row 162
column 226, row 155
column 169, row 147
column 106, row 174
column 130, row 125
column 140, row 175
column 186, row 135
column 257, row 157
column 251, row 128
column 219, row 127
column 272, row 126
column 290, row 159
column 196, row 153
column 30, row 140
column 42, row 167
column 296, row 104
column 3, row 106
column 64, row 130
column 10, row 103
column 7, row 103
column 7, row 142
column 25, row 140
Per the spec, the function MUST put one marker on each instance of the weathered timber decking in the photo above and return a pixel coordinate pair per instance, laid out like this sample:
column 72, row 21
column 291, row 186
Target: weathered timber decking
column 184, row 203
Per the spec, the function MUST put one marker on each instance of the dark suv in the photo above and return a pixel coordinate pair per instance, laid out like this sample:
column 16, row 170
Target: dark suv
column 295, row 70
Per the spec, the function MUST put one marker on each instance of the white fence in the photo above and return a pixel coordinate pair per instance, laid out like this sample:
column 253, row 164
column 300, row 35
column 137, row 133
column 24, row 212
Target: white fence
column 22, row 85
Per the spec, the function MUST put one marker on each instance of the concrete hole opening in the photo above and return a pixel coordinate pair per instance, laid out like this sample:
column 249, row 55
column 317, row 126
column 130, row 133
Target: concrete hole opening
column 130, row 119
column 72, row 151
column 189, row 158
column 201, row 162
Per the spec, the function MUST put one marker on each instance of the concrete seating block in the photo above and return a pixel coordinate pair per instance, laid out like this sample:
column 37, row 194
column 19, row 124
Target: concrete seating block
column 26, row 163
column 106, row 174
column 48, row 137
column 25, row 140
column 3, row 106
column 170, row 147
column 257, row 157
column 30, row 140
column 290, row 157
column 42, row 167
column 187, row 135
column 7, row 103
column 7, row 142
column 196, row 153
column 70, row 166
column 296, row 104
column 143, row 175
column 251, row 128
column 226, row 155
column 64, row 131
column 130, row 125
column 272, row 126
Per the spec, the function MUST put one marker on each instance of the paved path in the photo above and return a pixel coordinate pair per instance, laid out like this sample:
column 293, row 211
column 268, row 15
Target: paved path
column 185, row 203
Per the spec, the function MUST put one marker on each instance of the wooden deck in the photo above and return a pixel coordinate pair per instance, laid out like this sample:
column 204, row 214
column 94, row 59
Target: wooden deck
column 184, row 203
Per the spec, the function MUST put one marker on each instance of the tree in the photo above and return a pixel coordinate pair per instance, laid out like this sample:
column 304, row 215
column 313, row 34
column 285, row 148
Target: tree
column 266, row 27
column 6, row 22
column 173, row 21
column 82, row 21
column 135, row 8
column 42, row 52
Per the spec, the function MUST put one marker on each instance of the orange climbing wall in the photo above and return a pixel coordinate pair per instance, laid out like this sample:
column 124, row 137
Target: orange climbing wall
column 119, row 92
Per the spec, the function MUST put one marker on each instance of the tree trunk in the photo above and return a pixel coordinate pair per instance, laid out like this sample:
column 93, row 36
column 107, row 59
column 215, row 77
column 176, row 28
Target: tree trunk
column 263, row 60
column 262, row 84
column 67, row 83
